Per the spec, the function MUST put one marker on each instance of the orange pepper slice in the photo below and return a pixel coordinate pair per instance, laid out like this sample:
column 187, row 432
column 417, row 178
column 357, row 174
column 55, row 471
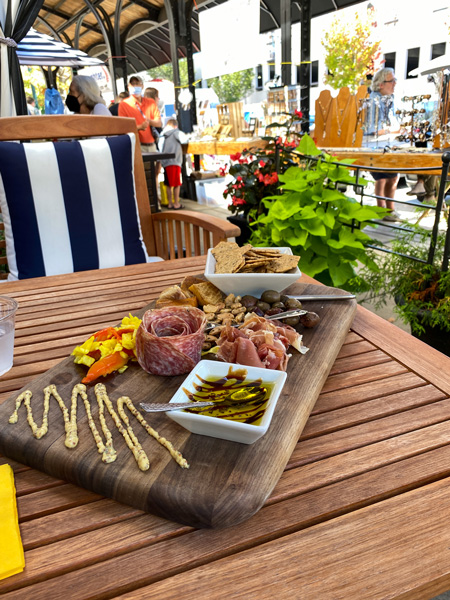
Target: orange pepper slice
column 105, row 366
column 106, row 334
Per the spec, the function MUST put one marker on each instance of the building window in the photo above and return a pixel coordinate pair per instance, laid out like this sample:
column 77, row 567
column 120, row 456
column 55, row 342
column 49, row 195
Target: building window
column 271, row 72
column 314, row 73
column 259, row 77
column 437, row 50
column 412, row 62
column 389, row 60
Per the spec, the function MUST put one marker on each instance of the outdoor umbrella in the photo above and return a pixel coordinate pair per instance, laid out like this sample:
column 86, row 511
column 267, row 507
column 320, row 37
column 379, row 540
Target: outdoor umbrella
column 42, row 50
column 16, row 18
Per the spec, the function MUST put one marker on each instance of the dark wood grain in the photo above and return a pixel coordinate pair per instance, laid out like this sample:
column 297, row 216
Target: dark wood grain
column 227, row 482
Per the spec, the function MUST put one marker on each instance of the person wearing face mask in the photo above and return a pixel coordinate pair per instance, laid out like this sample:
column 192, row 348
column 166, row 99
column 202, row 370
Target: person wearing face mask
column 144, row 111
column 85, row 98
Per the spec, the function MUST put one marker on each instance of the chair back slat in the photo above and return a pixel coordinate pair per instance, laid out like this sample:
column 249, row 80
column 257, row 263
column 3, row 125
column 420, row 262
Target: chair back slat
column 197, row 247
column 179, row 238
column 187, row 239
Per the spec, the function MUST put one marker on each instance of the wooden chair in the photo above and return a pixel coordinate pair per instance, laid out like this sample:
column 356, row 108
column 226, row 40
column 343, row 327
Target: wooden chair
column 170, row 234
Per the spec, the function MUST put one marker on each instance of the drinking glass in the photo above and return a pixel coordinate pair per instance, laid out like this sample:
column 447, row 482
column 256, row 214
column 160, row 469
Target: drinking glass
column 8, row 307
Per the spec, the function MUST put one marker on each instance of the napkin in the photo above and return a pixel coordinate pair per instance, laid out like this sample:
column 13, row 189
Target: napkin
column 12, row 559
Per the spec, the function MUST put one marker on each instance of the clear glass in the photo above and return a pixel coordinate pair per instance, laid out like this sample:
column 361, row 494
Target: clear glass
column 8, row 307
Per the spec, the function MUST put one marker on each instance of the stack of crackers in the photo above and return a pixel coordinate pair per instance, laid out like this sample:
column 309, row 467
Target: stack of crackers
column 230, row 258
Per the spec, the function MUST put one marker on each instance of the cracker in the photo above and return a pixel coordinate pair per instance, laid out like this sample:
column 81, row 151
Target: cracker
column 284, row 263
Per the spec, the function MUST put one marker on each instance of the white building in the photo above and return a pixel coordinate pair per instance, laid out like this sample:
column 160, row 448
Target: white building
column 410, row 37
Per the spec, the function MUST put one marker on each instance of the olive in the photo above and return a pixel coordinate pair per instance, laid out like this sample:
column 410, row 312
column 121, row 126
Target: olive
column 273, row 311
column 270, row 296
column 284, row 298
column 292, row 321
column 258, row 311
column 264, row 306
column 292, row 303
column 249, row 301
column 311, row 319
column 278, row 305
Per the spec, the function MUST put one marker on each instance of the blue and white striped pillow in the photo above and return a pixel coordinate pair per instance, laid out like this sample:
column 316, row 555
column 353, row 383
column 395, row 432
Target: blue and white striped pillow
column 69, row 206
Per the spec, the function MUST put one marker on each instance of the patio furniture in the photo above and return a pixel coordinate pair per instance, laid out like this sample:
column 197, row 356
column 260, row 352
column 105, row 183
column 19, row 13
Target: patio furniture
column 166, row 234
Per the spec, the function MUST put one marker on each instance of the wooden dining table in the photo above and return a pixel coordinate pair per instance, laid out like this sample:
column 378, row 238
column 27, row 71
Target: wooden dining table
column 360, row 511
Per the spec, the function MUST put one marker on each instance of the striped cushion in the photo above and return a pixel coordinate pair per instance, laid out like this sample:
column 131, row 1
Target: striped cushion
column 69, row 206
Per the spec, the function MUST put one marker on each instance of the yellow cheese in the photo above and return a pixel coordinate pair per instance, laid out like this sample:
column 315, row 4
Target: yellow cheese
column 12, row 559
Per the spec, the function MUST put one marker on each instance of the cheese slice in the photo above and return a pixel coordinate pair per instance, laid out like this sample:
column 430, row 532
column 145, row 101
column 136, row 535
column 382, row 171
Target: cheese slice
column 12, row 559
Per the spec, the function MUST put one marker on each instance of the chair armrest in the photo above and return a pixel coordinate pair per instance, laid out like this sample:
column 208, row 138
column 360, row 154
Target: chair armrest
column 172, row 231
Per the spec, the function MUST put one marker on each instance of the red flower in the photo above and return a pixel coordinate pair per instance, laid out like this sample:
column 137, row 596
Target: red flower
column 239, row 178
column 261, row 163
column 236, row 156
column 299, row 114
column 238, row 201
column 223, row 171
column 274, row 177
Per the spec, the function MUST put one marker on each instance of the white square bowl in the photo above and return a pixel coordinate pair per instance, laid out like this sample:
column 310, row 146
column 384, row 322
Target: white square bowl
column 253, row 284
column 245, row 433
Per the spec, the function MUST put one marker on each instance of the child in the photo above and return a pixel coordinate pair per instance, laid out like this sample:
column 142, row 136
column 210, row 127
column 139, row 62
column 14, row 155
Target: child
column 172, row 139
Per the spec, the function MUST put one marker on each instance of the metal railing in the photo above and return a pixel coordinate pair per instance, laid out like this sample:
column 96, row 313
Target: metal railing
column 359, row 190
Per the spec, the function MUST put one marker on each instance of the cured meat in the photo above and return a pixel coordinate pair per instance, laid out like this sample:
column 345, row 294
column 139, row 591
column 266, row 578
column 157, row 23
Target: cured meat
column 169, row 340
column 259, row 343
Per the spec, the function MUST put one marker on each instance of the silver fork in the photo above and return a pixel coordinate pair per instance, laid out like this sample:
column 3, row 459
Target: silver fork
column 296, row 312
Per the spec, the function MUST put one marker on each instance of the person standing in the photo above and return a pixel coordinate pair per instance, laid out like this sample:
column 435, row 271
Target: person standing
column 144, row 111
column 380, row 113
column 85, row 97
column 172, row 140
column 114, row 108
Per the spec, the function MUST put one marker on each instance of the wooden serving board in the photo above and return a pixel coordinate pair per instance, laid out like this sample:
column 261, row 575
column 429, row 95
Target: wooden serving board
column 227, row 482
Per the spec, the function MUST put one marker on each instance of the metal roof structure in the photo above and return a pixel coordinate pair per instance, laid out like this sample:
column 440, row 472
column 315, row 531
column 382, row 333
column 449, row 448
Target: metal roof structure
column 139, row 29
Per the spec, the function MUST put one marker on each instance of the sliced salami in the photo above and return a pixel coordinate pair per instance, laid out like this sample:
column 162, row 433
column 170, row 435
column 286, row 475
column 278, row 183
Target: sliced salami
column 169, row 340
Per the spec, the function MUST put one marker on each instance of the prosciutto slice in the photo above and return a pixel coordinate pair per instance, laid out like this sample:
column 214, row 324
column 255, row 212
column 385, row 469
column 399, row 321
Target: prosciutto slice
column 169, row 340
column 259, row 343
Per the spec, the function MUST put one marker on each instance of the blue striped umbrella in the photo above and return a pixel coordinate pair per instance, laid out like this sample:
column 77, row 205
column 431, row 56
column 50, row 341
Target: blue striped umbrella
column 42, row 50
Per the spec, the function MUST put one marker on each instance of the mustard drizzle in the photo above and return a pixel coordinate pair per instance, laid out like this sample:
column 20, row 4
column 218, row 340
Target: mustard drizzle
column 106, row 448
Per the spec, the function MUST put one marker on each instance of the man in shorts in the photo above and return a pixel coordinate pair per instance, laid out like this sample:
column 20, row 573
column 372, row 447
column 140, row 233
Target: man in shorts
column 144, row 111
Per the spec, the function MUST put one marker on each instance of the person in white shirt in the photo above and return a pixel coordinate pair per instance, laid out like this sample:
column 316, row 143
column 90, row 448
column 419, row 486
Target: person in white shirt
column 84, row 97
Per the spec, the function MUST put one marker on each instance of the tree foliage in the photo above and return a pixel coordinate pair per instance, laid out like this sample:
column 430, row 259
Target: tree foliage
column 233, row 87
column 350, row 52
column 166, row 72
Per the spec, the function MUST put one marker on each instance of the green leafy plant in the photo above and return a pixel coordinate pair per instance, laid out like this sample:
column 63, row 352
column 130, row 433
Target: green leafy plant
column 421, row 290
column 318, row 221
column 256, row 171
column 234, row 86
column 350, row 52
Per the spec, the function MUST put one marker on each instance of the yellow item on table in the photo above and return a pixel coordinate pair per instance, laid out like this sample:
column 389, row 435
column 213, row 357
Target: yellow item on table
column 12, row 559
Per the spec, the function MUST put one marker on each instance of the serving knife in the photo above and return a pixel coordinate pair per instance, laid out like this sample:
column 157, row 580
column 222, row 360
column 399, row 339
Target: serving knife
column 324, row 297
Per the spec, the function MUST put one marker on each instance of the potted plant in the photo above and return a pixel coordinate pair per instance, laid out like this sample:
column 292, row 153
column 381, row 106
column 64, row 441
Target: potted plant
column 256, row 174
column 319, row 222
column 421, row 288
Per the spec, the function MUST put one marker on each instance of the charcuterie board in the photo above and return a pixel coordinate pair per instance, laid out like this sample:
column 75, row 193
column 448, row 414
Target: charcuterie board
column 227, row 482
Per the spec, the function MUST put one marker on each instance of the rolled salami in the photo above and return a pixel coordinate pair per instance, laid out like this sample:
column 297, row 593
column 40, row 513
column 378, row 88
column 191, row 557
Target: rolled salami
column 169, row 340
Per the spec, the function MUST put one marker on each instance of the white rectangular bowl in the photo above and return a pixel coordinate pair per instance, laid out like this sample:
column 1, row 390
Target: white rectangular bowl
column 253, row 284
column 225, row 429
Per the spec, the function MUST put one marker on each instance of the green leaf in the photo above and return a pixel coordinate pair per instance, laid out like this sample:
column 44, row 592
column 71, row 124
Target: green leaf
column 286, row 208
column 314, row 227
column 295, row 237
column 308, row 147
